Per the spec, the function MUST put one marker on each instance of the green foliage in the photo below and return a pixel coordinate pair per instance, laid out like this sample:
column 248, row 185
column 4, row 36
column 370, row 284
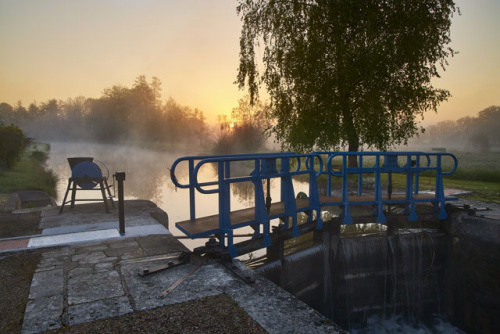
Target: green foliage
column 28, row 141
column 40, row 156
column 6, row 114
column 11, row 145
column 479, row 174
column 476, row 166
column 30, row 174
column 345, row 72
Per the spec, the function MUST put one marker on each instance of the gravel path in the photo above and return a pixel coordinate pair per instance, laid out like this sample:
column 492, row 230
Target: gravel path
column 219, row 314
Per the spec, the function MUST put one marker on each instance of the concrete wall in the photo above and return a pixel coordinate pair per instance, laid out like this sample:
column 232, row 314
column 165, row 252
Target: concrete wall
column 473, row 285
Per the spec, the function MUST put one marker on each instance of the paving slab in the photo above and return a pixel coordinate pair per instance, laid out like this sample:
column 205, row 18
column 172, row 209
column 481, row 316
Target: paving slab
column 100, row 309
column 47, row 284
column 43, row 314
column 29, row 199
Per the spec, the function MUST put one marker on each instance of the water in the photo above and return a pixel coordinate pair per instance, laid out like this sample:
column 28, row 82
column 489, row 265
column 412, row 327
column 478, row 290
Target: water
column 399, row 324
column 148, row 177
column 371, row 283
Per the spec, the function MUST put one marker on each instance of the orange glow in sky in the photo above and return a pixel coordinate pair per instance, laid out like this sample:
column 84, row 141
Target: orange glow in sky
column 63, row 49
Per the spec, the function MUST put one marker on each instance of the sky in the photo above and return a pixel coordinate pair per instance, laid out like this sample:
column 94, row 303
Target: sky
column 67, row 48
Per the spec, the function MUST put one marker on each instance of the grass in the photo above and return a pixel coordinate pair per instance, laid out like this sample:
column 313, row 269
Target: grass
column 30, row 173
column 478, row 173
column 478, row 190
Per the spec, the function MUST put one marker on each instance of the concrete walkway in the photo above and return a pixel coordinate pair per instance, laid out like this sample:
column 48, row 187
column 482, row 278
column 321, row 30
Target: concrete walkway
column 89, row 222
column 81, row 280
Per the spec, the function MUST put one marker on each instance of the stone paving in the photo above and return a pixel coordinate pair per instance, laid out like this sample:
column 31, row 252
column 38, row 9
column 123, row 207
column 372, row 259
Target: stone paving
column 81, row 284
column 86, row 281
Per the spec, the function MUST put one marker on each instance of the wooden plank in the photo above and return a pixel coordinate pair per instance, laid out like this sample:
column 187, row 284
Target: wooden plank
column 371, row 198
column 199, row 225
column 210, row 224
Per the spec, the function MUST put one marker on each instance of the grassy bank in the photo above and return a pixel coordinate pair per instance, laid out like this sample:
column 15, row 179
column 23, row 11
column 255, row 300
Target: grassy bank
column 478, row 173
column 30, row 173
column 478, row 190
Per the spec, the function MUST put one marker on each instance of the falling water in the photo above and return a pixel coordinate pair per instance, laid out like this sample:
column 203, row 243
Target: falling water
column 410, row 246
column 370, row 283
column 360, row 278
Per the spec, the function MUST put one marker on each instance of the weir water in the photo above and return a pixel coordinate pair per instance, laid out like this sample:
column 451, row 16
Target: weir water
column 351, row 278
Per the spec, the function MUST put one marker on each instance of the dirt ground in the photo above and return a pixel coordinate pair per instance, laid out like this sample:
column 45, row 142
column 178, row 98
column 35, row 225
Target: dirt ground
column 16, row 269
column 218, row 314
column 19, row 224
column 16, row 272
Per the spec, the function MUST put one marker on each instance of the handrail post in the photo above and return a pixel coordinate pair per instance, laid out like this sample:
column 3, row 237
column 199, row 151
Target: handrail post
column 345, row 191
column 417, row 174
column 192, row 204
column 409, row 190
column 329, row 169
column 120, row 177
column 378, row 191
column 440, row 189
column 360, row 175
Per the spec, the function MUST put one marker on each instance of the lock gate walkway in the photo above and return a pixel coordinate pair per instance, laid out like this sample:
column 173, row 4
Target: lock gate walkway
column 258, row 169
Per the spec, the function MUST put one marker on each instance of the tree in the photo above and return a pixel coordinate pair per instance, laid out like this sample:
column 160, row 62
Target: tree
column 488, row 121
column 144, row 104
column 20, row 112
column 11, row 145
column 50, row 110
column 345, row 72
column 249, row 123
column 6, row 113
column 244, row 131
column 75, row 109
column 480, row 141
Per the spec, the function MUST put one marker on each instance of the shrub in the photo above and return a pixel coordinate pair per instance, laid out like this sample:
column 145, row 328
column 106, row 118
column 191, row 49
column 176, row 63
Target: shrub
column 11, row 145
column 39, row 156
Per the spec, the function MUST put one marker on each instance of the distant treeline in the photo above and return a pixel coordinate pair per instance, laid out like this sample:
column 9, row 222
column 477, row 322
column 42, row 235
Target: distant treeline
column 120, row 114
column 480, row 132
column 125, row 114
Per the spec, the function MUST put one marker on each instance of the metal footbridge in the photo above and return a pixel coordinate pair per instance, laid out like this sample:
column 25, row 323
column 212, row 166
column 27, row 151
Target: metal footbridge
column 257, row 170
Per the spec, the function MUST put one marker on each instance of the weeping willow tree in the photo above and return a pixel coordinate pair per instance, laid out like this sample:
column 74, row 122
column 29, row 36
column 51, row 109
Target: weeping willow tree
column 345, row 72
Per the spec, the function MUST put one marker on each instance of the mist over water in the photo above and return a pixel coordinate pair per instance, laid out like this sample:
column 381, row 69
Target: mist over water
column 148, row 177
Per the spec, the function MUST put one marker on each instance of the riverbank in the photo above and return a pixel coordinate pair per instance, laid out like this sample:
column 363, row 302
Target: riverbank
column 29, row 173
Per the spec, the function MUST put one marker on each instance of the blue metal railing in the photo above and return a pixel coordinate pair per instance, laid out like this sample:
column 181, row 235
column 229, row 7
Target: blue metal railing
column 412, row 164
column 265, row 167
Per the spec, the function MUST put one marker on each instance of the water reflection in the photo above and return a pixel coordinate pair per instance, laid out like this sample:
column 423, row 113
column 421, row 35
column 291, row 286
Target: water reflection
column 148, row 177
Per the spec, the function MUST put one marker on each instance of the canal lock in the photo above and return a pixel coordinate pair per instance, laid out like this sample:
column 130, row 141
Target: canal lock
column 417, row 273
